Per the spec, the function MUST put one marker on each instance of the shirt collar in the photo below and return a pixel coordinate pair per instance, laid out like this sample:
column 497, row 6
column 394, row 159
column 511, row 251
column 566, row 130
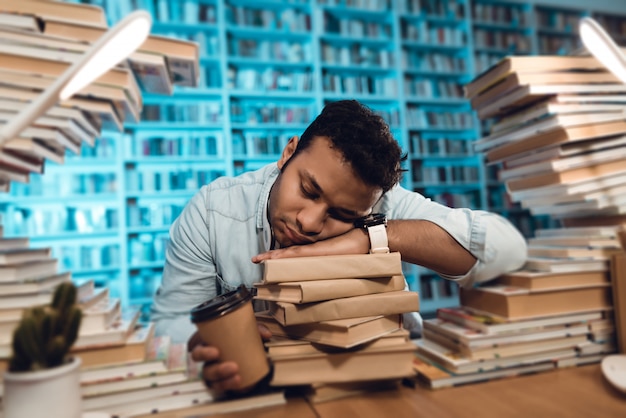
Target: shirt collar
column 262, row 222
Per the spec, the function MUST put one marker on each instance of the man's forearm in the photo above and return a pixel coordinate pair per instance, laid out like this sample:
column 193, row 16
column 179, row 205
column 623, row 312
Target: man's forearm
column 426, row 244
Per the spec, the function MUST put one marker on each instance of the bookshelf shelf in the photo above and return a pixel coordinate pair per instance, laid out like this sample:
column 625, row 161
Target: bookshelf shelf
column 267, row 68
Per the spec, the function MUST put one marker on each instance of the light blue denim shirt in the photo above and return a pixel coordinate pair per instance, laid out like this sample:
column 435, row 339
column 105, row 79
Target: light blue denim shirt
column 225, row 224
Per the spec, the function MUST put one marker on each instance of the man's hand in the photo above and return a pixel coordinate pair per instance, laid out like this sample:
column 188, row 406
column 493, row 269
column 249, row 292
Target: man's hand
column 220, row 376
column 354, row 241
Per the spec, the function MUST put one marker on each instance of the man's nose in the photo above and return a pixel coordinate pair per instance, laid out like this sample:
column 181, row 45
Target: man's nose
column 312, row 218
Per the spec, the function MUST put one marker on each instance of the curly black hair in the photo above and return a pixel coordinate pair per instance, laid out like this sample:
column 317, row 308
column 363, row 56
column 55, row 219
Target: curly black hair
column 363, row 138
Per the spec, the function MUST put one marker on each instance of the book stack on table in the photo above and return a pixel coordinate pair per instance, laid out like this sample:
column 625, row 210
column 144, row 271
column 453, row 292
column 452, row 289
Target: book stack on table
column 337, row 320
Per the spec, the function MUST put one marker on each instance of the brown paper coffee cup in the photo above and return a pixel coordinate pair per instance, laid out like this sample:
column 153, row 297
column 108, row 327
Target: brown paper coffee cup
column 228, row 323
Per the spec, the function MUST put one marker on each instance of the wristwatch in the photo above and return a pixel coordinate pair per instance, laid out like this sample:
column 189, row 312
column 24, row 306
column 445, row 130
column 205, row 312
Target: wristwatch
column 376, row 226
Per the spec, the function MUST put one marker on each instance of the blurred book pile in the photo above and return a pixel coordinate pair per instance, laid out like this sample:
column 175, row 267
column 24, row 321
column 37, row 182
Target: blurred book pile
column 337, row 323
column 558, row 137
column 38, row 42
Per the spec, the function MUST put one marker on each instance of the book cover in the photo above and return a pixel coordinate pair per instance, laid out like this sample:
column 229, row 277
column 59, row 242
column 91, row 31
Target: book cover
column 437, row 377
column 547, row 281
column 353, row 366
column 318, row 290
column 618, row 283
column 343, row 333
column 497, row 325
column 348, row 266
column 514, row 302
column 388, row 303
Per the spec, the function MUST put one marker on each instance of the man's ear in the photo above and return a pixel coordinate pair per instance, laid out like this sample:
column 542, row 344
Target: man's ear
column 288, row 151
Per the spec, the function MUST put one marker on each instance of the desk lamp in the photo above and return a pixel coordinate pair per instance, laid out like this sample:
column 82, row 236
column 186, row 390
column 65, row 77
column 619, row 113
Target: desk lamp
column 111, row 48
column 602, row 46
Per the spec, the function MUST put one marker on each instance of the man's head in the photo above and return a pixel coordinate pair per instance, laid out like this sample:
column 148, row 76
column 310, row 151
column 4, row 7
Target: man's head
column 343, row 164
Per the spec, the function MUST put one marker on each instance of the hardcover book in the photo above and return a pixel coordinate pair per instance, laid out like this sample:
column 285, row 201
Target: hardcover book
column 319, row 290
column 388, row 303
column 327, row 267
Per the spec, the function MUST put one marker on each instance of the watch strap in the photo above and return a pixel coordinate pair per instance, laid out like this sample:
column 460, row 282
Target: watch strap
column 378, row 239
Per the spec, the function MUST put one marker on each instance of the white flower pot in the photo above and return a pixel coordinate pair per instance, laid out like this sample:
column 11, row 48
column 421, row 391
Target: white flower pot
column 51, row 393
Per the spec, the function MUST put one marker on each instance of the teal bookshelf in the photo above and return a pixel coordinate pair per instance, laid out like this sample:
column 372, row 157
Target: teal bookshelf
column 267, row 69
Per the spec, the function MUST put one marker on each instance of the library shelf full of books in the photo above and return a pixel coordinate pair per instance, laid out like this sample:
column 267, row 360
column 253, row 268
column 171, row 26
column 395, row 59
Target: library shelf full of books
column 266, row 68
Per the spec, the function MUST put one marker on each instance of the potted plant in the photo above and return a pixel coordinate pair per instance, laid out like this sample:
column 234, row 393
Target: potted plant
column 43, row 380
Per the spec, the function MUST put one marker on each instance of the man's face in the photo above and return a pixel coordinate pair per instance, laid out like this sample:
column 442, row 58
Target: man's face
column 317, row 195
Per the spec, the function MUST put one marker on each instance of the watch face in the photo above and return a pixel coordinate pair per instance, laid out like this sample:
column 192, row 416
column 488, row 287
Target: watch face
column 371, row 220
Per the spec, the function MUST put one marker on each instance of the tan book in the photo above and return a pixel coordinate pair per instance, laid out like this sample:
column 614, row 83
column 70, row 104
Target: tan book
column 281, row 346
column 134, row 350
column 453, row 362
column 23, row 255
column 526, row 95
column 101, row 316
column 564, row 265
column 518, row 303
column 20, row 164
column 116, row 334
column 367, row 305
column 326, row 267
column 28, row 270
column 574, row 175
column 20, row 22
column 318, row 290
column 24, row 78
column 9, row 243
column 618, row 283
column 352, row 366
column 35, row 285
column 562, row 81
column 546, row 281
column 528, row 64
column 553, row 122
column 344, row 333
column 9, row 174
column 325, row 392
column 100, row 113
column 555, row 137
column 505, row 350
column 576, row 241
column 90, row 14
column 571, row 252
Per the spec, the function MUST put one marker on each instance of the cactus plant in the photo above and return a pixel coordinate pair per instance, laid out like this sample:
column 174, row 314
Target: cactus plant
column 45, row 335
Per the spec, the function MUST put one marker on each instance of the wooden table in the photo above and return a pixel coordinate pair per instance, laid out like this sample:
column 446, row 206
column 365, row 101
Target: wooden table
column 568, row 393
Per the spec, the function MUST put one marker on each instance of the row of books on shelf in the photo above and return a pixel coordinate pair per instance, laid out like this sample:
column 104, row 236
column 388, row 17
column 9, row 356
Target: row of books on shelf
column 362, row 55
column 429, row 33
column 178, row 144
column 68, row 184
column 259, row 112
column 512, row 15
column 148, row 180
column 450, row 9
column 436, row 62
column 269, row 79
column 424, row 118
column 445, row 174
column 429, row 88
column 147, row 248
column 259, row 143
column 519, row 43
column 290, row 19
column 378, row 85
column 48, row 220
column 183, row 111
column 153, row 214
column 443, row 146
column 335, row 21
column 558, row 20
column 270, row 50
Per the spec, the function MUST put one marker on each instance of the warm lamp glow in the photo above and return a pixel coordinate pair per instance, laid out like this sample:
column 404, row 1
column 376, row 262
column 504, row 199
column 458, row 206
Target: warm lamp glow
column 602, row 46
column 111, row 48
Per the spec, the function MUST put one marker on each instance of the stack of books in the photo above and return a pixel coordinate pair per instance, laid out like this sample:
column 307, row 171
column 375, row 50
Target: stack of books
column 38, row 42
column 337, row 319
column 559, row 138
